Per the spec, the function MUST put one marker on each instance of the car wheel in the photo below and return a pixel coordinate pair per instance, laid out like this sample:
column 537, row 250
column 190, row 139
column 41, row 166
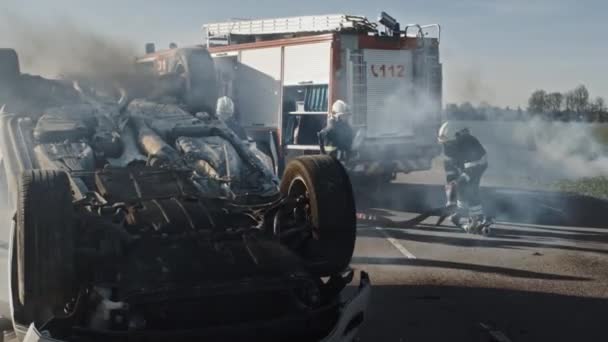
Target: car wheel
column 329, row 209
column 44, row 244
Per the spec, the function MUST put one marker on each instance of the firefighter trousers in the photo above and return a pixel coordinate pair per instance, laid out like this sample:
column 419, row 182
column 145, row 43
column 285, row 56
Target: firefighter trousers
column 469, row 199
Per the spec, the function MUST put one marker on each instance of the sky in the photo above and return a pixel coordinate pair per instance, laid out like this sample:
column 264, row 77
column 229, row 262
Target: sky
column 497, row 51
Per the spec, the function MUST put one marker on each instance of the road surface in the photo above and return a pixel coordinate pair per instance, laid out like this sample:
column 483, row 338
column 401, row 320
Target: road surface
column 535, row 279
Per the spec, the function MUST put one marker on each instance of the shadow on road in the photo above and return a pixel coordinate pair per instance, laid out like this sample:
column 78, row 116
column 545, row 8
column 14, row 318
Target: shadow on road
column 521, row 206
column 446, row 313
column 510, row 272
column 467, row 241
column 578, row 236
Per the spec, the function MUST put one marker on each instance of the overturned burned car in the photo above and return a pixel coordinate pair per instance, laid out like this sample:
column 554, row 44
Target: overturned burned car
column 136, row 220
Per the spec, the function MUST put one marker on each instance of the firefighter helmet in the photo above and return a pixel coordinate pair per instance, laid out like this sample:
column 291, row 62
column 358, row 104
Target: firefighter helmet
column 340, row 107
column 341, row 111
column 449, row 132
column 225, row 108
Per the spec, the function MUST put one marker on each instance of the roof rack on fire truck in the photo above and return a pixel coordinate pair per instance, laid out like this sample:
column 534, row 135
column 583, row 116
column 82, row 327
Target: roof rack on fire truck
column 228, row 32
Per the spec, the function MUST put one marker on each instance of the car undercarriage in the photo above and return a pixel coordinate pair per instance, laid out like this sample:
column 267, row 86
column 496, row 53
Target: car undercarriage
column 138, row 220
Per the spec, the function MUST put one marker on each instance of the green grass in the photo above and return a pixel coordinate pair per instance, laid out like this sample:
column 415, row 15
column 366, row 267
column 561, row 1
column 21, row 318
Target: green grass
column 593, row 187
column 601, row 134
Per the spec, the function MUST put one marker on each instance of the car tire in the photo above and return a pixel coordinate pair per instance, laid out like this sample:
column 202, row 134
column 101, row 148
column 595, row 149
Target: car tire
column 331, row 211
column 44, row 243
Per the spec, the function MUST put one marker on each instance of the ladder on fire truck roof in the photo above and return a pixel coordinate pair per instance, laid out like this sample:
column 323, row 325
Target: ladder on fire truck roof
column 218, row 32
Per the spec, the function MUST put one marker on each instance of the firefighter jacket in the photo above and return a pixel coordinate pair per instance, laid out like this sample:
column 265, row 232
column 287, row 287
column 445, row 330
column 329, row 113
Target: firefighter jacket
column 338, row 134
column 464, row 157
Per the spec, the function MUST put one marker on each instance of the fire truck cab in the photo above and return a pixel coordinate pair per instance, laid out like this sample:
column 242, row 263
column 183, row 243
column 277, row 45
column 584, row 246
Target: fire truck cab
column 285, row 73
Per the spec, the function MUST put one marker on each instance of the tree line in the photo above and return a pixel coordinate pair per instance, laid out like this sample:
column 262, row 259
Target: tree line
column 573, row 105
column 484, row 111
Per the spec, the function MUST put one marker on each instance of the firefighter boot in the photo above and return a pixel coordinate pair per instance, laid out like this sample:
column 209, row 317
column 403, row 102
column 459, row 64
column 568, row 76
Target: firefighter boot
column 485, row 226
column 471, row 225
column 476, row 224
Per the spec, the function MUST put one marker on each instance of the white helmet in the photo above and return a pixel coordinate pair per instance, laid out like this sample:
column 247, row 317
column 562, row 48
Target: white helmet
column 450, row 131
column 225, row 108
column 340, row 110
column 340, row 107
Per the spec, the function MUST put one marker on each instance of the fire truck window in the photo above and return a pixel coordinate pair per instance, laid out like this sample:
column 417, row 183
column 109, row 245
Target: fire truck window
column 303, row 129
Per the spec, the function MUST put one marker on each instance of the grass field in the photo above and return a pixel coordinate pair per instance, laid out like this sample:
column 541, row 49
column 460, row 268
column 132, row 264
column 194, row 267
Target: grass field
column 601, row 135
column 594, row 187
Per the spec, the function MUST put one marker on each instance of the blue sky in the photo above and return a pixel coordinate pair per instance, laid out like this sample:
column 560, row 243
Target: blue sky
column 492, row 50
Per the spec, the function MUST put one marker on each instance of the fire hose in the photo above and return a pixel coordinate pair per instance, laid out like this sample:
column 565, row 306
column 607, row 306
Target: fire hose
column 442, row 213
column 372, row 219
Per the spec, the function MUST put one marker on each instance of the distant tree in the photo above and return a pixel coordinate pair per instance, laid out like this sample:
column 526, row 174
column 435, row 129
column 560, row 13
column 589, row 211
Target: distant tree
column 484, row 105
column 537, row 104
column 554, row 102
column 598, row 109
column 451, row 107
column 465, row 111
column 569, row 101
column 484, row 111
column 579, row 100
column 467, row 107
column 451, row 111
column 520, row 113
column 598, row 105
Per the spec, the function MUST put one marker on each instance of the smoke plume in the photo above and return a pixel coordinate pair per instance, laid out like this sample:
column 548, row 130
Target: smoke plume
column 467, row 83
column 65, row 49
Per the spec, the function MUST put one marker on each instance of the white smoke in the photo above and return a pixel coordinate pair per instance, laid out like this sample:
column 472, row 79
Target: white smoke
column 403, row 111
column 538, row 152
column 570, row 147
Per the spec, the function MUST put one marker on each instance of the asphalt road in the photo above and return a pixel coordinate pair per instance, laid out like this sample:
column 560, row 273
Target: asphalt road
column 539, row 277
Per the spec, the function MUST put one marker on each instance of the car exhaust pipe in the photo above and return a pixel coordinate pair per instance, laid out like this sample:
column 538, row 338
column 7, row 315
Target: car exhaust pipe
column 159, row 153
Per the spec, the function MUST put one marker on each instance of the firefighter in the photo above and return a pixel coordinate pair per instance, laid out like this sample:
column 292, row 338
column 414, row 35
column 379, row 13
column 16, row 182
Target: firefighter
column 337, row 136
column 465, row 162
column 225, row 112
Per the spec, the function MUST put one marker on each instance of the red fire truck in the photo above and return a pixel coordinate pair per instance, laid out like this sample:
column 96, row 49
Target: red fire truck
column 285, row 73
